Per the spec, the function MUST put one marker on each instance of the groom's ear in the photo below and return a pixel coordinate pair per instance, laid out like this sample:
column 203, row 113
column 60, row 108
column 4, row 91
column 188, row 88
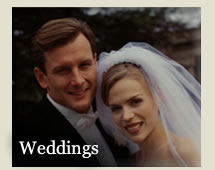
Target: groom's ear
column 95, row 56
column 41, row 77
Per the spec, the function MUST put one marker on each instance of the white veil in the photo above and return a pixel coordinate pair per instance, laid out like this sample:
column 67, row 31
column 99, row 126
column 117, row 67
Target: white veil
column 176, row 92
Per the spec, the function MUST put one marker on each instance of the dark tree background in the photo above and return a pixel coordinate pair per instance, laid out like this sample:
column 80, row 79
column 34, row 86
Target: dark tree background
column 113, row 29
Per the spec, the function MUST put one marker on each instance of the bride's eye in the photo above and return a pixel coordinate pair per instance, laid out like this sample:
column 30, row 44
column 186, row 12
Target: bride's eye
column 115, row 109
column 136, row 101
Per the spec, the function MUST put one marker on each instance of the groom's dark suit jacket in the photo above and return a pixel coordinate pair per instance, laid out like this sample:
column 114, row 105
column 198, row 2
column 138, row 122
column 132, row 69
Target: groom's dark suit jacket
column 46, row 123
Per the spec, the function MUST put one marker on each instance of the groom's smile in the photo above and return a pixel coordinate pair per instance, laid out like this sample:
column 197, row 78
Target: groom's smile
column 79, row 94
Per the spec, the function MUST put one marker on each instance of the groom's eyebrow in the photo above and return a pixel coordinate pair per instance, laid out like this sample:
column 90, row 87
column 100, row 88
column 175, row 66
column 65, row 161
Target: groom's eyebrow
column 86, row 61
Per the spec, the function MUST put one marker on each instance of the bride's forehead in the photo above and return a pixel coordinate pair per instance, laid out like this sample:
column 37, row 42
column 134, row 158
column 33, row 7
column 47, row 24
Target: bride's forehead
column 131, row 83
column 127, row 89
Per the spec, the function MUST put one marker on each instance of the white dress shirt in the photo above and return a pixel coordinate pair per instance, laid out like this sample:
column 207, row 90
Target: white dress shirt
column 86, row 127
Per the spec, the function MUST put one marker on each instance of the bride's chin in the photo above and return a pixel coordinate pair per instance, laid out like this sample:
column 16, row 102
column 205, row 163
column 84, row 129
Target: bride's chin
column 136, row 139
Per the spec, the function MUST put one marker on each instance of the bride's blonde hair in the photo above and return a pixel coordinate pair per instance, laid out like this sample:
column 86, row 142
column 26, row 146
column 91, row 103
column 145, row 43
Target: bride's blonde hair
column 116, row 73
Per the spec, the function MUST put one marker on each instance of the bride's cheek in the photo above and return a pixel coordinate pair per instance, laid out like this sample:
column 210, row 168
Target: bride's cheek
column 116, row 119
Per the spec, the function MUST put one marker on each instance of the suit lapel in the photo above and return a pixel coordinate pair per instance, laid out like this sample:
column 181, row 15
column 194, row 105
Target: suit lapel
column 120, row 153
column 110, row 141
column 58, row 124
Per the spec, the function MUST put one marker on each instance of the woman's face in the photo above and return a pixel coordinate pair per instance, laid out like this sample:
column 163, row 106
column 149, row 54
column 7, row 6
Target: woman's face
column 134, row 110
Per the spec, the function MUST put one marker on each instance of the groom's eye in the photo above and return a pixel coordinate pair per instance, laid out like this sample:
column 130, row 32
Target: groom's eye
column 86, row 64
column 62, row 70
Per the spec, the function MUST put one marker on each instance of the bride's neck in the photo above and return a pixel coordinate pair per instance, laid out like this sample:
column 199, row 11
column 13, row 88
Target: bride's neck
column 155, row 143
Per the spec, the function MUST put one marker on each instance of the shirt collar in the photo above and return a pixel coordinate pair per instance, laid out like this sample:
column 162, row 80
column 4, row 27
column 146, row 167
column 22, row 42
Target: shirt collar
column 78, row 120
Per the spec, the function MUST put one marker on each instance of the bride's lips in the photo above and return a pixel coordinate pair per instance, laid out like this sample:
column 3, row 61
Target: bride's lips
column 133, row 128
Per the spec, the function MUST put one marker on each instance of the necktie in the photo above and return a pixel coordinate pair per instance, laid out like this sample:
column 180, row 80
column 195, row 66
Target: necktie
column 86, row 120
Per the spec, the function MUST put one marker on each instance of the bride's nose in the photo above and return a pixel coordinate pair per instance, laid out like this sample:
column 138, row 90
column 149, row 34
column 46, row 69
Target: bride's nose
column 128, row 114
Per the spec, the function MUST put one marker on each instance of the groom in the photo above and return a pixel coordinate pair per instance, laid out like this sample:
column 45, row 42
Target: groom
column 62, row 130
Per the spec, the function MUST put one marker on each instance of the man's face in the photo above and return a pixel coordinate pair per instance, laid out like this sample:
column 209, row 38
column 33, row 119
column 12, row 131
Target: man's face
column 70, row 77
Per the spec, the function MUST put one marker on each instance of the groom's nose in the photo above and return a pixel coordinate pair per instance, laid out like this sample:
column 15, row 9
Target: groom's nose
column 77, row 78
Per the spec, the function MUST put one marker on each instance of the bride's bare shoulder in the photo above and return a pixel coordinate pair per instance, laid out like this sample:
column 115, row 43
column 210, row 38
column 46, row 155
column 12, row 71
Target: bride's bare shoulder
column 187, row 150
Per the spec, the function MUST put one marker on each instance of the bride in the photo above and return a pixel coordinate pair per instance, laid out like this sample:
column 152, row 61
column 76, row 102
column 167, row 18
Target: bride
column 146, row 98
